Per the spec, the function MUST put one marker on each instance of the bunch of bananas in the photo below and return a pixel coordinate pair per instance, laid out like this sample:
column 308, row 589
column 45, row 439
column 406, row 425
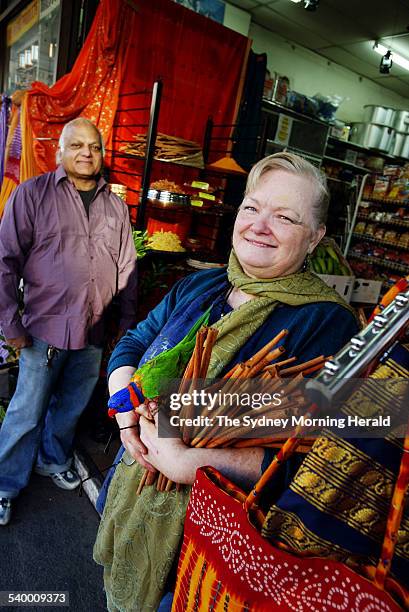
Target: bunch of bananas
column 325, row 260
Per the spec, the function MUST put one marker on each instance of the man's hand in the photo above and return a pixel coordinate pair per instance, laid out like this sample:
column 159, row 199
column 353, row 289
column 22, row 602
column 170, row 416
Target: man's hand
column 130, row 437
column 19, row 342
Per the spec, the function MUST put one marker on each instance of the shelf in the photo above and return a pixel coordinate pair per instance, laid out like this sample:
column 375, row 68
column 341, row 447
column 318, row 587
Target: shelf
column 347, row 164
column 348, row 144
column 370, row 152
column 391, row 265
column 403, row 203
column 270, row 106
column 124, row 155
column 370, row 238
column 396, row 223
column 337, row 180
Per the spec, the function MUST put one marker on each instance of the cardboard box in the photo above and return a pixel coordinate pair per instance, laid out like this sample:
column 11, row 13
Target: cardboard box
column 344, row 285
column 366, row 291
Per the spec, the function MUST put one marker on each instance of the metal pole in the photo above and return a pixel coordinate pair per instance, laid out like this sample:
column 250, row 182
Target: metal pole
column 207, row 139
column 150, row 151
column 354, row 216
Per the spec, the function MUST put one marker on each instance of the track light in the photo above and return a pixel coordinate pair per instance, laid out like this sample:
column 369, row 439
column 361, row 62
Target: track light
column 389, row 58
column 386, row 63
column 311, row 5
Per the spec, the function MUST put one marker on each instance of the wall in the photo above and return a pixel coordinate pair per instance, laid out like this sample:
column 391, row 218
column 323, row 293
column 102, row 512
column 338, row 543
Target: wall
column 236, row 19
column 309, row 73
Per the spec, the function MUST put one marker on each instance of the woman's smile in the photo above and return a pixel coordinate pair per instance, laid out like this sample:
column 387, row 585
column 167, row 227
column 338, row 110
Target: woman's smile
column 258, row 243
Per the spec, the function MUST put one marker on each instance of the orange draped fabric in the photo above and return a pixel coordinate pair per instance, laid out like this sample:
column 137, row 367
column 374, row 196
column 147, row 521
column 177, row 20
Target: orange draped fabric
column 91, row 89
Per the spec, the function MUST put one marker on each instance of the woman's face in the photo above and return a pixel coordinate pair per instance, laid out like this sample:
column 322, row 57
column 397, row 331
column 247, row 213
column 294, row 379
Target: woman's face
column 274, row 228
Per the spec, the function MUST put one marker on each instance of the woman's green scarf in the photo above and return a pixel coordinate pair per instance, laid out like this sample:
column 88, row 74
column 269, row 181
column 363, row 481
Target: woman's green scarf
column 240, row 324
column 139, row 536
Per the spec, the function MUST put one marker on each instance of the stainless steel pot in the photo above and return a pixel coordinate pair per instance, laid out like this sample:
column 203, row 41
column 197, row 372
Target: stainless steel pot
column 404, row 152
column 401, row 123
column 381, row 115
column 371, row 136
column 400, row 145
column 168, row 198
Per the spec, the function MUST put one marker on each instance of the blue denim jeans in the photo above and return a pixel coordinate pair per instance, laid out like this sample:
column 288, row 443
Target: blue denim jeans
column 41, row 418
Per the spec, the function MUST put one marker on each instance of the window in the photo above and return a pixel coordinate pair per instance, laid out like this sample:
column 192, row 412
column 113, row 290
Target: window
column 32, row 40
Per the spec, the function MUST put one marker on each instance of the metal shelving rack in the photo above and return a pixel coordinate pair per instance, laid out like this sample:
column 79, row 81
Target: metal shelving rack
column 121, row 123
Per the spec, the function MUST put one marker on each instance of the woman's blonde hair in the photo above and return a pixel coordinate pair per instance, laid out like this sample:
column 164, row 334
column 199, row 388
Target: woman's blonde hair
column 290, row 162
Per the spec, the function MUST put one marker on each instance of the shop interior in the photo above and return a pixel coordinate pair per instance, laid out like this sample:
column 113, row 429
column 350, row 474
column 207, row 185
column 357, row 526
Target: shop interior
column 324, row 79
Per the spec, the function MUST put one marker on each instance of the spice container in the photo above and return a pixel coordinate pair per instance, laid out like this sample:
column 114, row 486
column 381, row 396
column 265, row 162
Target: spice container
column 169, row 212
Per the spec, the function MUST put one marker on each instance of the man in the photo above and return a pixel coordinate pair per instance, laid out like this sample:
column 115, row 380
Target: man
column 69, row 238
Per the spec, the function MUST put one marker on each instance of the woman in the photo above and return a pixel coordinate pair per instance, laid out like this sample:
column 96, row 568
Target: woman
column 265, row 288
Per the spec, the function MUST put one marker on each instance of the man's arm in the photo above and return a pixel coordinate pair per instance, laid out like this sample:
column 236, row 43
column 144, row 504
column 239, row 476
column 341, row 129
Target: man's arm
column 16, row 236
column 127, row 276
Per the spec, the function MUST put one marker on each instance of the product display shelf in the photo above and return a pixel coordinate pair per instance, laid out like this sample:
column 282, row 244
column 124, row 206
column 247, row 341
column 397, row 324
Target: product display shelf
column 338, row 180
column 150, row 109
column 394, row 222
column 387, row 202
column 390, row 265
column 123, row 155
column 347, row 164
column 370, row 238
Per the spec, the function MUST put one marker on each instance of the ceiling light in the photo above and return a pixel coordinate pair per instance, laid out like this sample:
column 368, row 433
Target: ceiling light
column 311, row 5
column 395, row 57
column 296, row 1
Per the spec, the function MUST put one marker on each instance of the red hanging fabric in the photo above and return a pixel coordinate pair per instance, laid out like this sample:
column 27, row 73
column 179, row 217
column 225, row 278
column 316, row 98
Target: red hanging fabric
column 200, row 63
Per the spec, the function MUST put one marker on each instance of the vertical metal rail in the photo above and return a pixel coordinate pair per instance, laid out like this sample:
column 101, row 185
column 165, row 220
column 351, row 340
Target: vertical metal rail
column 207, row 139
column 354, row 216
column 150, row 150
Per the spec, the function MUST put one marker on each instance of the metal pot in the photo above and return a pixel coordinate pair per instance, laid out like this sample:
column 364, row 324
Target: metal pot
column 381, row 115
column 400, row 145
column 404, row 152
column 371, row 136
column 166, row 199
column 401, row 123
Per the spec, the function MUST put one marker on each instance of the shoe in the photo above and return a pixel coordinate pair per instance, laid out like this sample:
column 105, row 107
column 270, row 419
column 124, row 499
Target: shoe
column 66, row 480
column 5, row 510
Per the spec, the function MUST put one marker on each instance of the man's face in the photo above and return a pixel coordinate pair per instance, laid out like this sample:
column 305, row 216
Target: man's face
column 81, row 156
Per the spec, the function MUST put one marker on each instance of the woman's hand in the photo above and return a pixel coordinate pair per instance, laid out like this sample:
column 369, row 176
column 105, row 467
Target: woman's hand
column 168, row 455
column 130, row 437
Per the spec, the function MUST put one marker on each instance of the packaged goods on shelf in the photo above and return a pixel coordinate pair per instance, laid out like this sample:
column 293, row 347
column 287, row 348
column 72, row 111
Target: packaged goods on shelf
column 381, row 187
column 392, row 170
column 360, row 227
column 376, row 164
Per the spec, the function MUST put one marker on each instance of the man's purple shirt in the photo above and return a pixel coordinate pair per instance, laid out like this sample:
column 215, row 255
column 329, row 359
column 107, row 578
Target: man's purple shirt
column 72, row 266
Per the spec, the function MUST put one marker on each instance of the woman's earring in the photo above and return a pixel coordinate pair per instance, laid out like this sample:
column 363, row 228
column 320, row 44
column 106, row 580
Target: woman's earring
column 306, row 263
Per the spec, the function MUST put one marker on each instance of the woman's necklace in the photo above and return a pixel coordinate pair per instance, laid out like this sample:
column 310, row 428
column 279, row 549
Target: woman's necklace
column 224, row 302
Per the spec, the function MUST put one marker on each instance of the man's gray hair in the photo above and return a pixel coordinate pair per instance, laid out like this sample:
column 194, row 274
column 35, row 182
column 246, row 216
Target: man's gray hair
column 67, row 127
column 301, row 167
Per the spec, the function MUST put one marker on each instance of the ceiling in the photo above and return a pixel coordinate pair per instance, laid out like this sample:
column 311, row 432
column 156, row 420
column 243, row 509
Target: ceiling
column 342, row 31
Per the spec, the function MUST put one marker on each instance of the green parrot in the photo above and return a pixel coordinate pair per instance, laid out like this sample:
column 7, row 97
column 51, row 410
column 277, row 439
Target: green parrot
column 148, row 380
